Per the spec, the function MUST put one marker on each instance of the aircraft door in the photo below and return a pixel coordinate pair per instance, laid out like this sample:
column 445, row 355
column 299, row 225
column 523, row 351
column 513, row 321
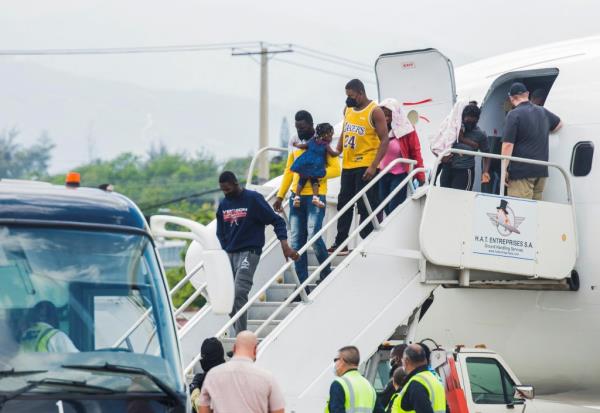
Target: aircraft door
column 423, row 81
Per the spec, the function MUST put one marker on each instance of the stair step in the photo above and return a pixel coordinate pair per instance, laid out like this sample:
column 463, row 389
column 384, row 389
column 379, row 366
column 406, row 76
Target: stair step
column 288, row 277
column 312, row 259
column 262, row 311
column 279, row 292
column 254, row 324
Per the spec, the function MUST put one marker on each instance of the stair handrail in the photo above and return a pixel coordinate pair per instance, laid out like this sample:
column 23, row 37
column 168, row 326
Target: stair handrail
column 255, row 159
column 562, row 170
column 329, row 259
column 304, row 248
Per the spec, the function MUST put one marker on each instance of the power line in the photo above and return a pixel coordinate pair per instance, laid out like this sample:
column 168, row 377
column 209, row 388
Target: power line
column 326, row 59
column 127, row 50
column 318, row 69
column 179, row 199
column 332, row 56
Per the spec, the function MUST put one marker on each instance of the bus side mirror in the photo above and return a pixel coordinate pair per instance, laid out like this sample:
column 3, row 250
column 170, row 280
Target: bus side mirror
column 524, row 392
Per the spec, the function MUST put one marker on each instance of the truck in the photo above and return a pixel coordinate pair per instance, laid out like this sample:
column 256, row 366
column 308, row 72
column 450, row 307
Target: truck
column 86, row 320
column 476, row 379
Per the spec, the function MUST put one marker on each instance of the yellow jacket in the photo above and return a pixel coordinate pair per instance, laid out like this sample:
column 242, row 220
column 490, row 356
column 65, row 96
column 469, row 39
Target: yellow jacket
column 332, row 170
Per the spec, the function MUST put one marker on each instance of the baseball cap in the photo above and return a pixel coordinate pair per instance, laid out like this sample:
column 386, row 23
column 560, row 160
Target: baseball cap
column 517, row 88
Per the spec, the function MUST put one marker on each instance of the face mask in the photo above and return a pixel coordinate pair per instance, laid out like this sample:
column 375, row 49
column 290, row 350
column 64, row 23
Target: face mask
column 334, row 370
column 469, row 126
column 305, row 134
column 351, row 102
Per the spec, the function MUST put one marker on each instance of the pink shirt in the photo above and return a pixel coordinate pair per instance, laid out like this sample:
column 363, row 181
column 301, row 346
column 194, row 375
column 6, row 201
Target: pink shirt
column 393, row 152
column 239, row 386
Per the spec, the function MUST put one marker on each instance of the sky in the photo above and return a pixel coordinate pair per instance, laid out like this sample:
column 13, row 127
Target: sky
column 358, row 30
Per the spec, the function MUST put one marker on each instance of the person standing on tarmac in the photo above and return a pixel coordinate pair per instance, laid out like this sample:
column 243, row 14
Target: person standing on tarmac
column 423, row 392
column 395, row 362
column 350, row 391
column 398, row 380
column 213, row 354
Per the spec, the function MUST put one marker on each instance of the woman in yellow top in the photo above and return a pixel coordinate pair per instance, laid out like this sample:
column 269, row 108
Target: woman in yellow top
column 306, row 219
column 363, row 144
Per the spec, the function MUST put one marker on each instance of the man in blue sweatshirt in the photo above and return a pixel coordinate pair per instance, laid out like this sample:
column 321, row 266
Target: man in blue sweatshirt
column 241, row 220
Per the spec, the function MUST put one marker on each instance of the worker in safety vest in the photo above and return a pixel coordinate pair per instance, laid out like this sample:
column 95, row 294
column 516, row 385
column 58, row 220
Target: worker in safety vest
column 42, row 334
column 350, row 392
column 423, row 392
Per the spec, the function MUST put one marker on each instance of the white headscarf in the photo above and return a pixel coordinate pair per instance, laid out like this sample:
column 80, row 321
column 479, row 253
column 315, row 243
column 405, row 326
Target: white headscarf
column 400, row 123
column 449, row 129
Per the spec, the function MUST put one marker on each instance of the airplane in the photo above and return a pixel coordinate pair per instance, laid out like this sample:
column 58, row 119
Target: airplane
column 547, row 336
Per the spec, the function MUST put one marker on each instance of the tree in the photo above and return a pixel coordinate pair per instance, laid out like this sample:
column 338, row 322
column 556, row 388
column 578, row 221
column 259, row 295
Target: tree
column 17, row 162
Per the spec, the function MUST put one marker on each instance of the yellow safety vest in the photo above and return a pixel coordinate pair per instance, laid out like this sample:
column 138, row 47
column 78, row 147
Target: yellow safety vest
column 437, row 394
column 360, row 141
column 37, row 337
column 359, row 395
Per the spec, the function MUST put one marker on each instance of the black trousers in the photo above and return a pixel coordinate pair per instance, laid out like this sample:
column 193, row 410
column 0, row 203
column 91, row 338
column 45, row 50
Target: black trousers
column 457, row 178
column 351, row 183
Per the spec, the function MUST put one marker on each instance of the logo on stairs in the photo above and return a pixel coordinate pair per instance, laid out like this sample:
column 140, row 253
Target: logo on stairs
column 504, row 227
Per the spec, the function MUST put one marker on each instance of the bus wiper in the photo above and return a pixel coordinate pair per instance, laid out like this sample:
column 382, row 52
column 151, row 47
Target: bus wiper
column 12, row 372
column 32, row 384
column 115, row 368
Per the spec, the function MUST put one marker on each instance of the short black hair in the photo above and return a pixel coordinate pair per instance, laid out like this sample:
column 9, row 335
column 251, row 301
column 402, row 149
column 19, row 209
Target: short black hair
column 471, row 110
column 415, row 354
column 228, row 177
column 356, row 85
column 323, row 128
column 303, row 115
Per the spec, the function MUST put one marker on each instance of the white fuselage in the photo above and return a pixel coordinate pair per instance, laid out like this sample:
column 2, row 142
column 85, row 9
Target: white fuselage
column 548, row 337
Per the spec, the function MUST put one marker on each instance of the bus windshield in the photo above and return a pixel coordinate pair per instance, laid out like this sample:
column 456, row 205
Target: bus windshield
column 84, row 298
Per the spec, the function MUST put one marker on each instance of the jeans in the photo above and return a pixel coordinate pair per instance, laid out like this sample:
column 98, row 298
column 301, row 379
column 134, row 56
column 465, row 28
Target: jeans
column 243, row 265
column 387, row 184
column 305, row 221
column 351, row 183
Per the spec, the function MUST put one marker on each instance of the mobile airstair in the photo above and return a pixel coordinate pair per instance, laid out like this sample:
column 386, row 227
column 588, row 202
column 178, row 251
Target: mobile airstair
column 438, row 237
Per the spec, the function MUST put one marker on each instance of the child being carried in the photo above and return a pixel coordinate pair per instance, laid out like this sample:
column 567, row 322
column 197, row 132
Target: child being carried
column 311, row 164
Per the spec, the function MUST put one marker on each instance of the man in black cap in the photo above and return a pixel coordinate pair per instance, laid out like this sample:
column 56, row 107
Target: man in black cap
column 212, row 355
column 526, row 136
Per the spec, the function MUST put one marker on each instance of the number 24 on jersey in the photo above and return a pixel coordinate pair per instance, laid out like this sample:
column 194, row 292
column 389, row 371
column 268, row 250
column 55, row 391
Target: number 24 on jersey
column 350, row 141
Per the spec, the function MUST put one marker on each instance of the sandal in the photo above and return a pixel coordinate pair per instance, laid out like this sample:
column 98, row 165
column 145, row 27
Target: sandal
column 296, row 202
column 317, row 201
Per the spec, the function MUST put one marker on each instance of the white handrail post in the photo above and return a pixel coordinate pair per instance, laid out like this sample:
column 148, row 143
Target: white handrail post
column 504, row 163
column 257, row 155
column 375, row 221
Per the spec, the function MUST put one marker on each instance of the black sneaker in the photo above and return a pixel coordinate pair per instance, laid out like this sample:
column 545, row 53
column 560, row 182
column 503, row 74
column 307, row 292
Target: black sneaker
column 344, row 251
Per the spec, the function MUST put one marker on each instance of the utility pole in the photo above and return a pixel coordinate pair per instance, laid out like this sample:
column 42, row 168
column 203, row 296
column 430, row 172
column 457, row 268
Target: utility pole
column 263, row 112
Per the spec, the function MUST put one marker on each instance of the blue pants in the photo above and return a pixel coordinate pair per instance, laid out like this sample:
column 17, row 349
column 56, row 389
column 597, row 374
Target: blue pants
column 305, row 221
column 387, row 183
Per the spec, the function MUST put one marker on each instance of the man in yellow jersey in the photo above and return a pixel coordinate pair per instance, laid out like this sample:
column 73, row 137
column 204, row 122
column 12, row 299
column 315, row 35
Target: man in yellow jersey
column 423, row 392
column 350, row 391
column 363, row 144
column 307, row 219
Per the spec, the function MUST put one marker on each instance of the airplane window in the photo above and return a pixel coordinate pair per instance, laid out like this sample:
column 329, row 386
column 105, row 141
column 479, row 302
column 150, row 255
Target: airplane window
column 581, row 160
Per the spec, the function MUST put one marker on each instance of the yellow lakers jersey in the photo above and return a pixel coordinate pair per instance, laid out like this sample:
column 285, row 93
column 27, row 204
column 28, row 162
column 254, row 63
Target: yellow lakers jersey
column 360, row 141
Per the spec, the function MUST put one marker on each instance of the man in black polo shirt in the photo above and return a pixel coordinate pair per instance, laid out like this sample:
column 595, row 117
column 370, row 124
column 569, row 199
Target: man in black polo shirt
column 526, row 136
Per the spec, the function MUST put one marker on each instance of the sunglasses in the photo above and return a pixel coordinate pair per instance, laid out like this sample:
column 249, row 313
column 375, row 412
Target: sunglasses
column 336, row 359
